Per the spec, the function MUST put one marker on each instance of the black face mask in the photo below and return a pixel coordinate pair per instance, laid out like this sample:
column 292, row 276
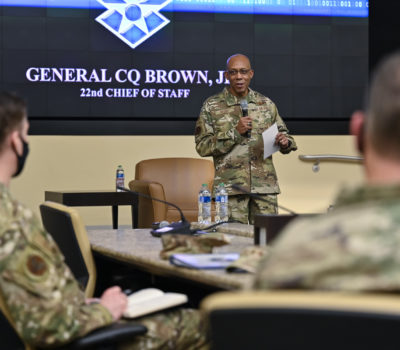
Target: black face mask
column 22, row 158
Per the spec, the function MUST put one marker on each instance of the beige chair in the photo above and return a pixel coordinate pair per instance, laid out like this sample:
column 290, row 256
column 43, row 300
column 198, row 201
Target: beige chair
column 67, row 229
column 176, row 180
column 302, row 320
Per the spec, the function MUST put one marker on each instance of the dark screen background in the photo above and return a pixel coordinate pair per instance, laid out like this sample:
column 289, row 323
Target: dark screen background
column 314, row 68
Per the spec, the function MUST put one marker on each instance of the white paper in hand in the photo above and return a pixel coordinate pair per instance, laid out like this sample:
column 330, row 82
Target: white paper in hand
column 269, row 136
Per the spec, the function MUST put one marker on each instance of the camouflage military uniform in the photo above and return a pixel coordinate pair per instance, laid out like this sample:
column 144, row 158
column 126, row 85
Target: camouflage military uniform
column 40, row 291
column 45, row 301
column 238, row 159
column 354, row 247
column 180, row 329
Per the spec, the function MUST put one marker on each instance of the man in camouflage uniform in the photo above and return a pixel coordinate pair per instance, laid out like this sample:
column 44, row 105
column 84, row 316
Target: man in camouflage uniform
column 39, row 291
column 355, row 246
column 222, row 132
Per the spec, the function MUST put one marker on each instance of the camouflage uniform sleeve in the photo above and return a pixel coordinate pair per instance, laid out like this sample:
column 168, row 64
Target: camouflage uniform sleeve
column 335, row 251
column 209, row 142
column 283, row 129
column 295, row 261
column 43, row 297
column 177, row 328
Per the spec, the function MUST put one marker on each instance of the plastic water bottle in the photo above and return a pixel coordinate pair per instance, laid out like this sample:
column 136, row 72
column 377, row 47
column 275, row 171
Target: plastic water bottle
column 221, row 203
column 120, row 178
column 204, row 205
column 200, row 205
column 206, row 212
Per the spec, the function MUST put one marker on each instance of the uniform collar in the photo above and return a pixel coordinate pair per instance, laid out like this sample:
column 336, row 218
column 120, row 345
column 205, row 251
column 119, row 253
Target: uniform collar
column 232, row 100
column 3, row 188
column 5, row 194
column 368, row 193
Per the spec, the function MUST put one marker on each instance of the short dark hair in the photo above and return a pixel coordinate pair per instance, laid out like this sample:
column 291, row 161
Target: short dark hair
column 12, row 113
column 236, row 55
column 383, row 107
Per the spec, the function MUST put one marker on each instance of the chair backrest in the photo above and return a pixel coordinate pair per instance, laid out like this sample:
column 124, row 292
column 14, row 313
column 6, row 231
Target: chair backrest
column 273, row 225
column 303, row 320
column 67, row 229
column 180, row 180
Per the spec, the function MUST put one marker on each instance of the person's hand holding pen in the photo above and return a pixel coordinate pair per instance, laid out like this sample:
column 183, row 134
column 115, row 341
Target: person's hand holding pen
column 115, row 301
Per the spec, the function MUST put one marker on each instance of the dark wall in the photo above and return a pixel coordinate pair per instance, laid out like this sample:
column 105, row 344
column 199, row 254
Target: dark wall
column 315, row 68
column 384, row 29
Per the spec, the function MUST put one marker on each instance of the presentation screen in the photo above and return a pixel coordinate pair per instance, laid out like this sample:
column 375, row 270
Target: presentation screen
column 147, row 66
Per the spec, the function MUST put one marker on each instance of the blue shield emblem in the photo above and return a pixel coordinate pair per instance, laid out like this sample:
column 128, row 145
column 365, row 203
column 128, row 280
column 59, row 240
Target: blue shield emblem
column 133, row 21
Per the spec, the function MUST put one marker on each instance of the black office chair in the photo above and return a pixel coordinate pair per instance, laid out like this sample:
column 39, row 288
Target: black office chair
column 284, row 320
column 268, row 226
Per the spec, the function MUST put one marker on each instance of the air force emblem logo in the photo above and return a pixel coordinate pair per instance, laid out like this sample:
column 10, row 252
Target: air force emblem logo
column 133, row 21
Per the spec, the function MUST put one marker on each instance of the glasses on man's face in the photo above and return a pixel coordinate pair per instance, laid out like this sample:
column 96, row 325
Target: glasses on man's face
column 234, row 72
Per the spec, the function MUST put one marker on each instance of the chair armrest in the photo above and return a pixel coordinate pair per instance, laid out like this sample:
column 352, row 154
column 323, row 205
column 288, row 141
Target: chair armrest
column 141, row 186
column 156, row 190
column 108, row 335
column 149, row 211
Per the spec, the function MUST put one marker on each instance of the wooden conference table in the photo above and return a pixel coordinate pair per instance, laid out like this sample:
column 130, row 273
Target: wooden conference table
column 138, row 248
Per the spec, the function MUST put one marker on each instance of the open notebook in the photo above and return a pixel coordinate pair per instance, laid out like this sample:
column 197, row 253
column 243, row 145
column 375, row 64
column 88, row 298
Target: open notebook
column 150, row 300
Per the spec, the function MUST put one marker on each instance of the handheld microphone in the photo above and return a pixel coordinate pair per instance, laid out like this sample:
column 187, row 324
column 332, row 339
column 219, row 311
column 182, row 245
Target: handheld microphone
column 245, row 111
column 256, row 196
column 181, row 227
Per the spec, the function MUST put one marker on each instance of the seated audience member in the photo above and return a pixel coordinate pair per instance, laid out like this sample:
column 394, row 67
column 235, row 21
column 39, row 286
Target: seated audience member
column 355, row 246
column 43, row 297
